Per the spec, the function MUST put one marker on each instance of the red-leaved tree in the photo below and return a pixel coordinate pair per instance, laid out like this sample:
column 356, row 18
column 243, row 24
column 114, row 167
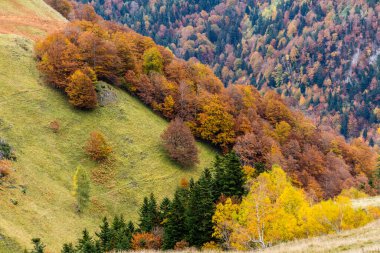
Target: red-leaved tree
column 180, row 143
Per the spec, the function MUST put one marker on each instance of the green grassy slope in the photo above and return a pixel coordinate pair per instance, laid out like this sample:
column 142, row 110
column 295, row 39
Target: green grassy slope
column 47, row 161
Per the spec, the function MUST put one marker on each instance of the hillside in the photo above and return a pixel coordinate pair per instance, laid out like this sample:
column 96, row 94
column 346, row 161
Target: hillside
column 281, row 150
column 31, row 19
column 324, row 56
column 46, row 161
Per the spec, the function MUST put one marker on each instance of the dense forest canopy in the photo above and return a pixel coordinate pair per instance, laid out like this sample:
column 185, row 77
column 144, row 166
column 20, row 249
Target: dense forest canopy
column 261, row 129
column 323, row 55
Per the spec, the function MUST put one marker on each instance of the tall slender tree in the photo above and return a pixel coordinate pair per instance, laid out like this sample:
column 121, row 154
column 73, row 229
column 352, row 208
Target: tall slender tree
column 200, row 210
column 174, row 225
column 81, row 188
column 149, row 215
column 105, row 235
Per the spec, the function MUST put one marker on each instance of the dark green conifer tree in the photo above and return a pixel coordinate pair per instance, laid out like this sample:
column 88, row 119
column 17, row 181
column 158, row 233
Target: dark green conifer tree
column 200, row 211
column 149, row 215
column 122, row 234
column 131, row 227
column 68, row 248
column 164, row 209
column 233, row 176
column 174, row 225
column 229, row 176
column 105, row 235
column 86, row 244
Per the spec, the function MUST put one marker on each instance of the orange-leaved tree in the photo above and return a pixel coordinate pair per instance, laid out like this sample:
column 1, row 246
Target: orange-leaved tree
column 81, row 90
column 97, row 147
column 215, row 123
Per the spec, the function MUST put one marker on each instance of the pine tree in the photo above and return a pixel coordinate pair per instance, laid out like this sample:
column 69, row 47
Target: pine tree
column 200, row 211
column 68, row 248
column 105, row 236
column 233, row 176
column 219, row 176
column 86, row 244
column 164, row 209
column 344, row 125
column 149, row 216
column 144, row 215
column 174, row 226
column 131, row 226
column 122, row 234
column 81, row 188
column 229, row 176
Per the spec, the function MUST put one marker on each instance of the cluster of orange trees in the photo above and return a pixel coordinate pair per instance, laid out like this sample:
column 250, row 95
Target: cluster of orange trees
column 261, row 129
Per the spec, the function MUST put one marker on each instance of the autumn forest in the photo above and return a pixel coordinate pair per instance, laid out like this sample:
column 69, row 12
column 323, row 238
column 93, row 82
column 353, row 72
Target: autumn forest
column 285, row 93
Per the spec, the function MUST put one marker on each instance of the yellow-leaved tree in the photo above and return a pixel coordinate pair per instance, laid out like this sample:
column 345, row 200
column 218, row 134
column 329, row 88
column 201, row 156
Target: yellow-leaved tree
column 81, row 188
column 275, row 211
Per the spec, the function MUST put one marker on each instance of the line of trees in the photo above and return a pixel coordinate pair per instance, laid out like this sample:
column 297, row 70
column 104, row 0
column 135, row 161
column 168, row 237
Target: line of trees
column 229, row 207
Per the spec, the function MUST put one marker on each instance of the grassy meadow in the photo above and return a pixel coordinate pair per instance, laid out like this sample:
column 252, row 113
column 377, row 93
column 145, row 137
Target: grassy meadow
column 38, row 201
column 28, row 18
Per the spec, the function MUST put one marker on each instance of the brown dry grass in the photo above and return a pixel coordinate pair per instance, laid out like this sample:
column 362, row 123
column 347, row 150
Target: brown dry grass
column 28, row 18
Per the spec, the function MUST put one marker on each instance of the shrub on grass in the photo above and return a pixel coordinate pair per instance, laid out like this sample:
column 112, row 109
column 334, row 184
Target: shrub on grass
column 142, row 241
column 5, row 168
column 6, row 151
column 55, row 126
column 97, row 147
column 180, row 143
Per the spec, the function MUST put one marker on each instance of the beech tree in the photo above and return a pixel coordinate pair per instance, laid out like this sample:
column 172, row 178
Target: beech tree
column 64, row 7
column 81, row 91
column 153, row 60
column 215, row 123
column 180, row 143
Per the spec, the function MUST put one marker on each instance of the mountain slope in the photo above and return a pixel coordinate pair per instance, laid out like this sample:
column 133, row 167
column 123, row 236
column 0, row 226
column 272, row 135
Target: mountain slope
column 31, row 18
column 324, row 56
column 46, row 160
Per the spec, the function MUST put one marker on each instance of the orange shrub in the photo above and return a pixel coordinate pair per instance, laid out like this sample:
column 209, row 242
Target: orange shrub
column 97, row 147
column 181, row 245
column 55, row 126
column 146, row 241
column 5, row 168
